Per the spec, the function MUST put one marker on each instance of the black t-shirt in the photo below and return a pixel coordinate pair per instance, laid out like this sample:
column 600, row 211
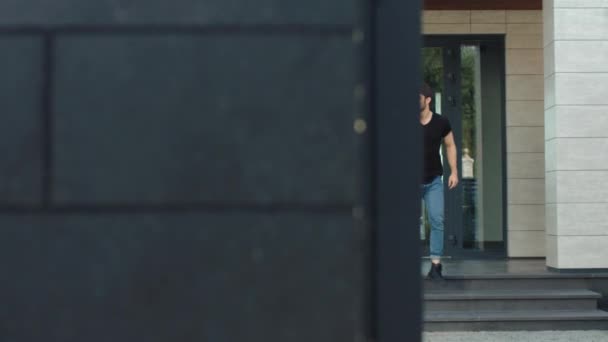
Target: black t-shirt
column 434, row 132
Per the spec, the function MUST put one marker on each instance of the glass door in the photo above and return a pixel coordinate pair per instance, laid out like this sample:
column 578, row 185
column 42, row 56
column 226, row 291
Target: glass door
column 467, row 75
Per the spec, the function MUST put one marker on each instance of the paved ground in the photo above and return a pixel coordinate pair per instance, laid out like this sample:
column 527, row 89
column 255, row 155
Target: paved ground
column 519, row 336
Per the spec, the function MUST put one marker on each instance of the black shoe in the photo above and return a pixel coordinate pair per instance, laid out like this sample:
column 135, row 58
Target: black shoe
column 435, row 272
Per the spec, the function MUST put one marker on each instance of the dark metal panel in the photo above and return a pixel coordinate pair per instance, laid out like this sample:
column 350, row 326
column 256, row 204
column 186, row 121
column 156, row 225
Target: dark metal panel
column 189, row 119
column 143, row 269
column 187, row 277
column 398, row 156
column 20, row 120
column 180, row 12
column 363, row 126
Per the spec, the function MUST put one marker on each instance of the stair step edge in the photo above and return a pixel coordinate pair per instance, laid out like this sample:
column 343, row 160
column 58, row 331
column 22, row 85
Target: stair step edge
column 517, row 316
column 509, row 294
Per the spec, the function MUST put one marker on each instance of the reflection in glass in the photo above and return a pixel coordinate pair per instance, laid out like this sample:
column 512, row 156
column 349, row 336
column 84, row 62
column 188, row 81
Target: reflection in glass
column 471, row 120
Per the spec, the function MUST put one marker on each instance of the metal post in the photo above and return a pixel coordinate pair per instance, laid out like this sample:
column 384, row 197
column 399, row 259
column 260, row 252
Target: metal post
column 398, row 140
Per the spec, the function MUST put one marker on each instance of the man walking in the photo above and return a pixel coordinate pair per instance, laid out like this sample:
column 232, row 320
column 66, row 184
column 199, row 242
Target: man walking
column 437, row 129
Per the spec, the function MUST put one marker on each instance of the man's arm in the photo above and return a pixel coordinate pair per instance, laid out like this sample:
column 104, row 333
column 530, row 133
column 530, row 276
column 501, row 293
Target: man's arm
column 450, row 147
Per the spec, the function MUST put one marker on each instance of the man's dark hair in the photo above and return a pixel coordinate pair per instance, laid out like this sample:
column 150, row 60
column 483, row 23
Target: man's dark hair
column 426, row 90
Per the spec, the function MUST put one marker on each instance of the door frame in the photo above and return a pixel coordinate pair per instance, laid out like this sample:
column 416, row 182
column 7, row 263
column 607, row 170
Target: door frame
column 454, row 226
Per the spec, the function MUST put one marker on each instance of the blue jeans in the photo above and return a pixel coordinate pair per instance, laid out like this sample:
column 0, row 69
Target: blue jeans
column 432, row 194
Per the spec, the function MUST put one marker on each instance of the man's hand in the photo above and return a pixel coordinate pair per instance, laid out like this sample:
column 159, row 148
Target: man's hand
column 453, row 181
column 450, row 147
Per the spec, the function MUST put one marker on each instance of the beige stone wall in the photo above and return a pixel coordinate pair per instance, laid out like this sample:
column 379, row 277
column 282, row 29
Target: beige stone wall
column 524, row 117
column 576, row 116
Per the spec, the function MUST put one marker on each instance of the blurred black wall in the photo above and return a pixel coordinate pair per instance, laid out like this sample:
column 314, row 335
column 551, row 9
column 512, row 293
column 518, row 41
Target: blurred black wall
column 179, row 171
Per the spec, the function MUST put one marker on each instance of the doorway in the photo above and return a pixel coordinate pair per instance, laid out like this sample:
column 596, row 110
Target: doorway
column 467, row 75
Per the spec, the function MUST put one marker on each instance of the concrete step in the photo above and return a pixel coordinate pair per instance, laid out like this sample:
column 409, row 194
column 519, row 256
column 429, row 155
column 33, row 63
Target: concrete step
column 513, row 300
column 520, row 282
column 516, row 320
